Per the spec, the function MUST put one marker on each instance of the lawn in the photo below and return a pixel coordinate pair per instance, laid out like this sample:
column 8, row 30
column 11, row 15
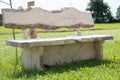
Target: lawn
column 108, row 69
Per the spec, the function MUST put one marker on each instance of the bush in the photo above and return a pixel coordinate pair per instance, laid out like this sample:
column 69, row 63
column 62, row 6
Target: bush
column 1, row 22
column 114, row 21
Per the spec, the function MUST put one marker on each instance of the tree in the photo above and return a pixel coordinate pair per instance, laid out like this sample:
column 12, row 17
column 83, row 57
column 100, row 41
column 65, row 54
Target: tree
column 100, row 11
column 118, row 13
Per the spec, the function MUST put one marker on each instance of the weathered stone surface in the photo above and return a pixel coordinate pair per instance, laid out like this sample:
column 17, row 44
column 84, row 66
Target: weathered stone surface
column 39, row 18
column 40, row 52
column 57, row 41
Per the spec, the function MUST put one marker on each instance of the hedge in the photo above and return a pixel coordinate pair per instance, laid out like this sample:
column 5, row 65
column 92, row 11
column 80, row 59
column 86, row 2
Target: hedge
column 1, row 22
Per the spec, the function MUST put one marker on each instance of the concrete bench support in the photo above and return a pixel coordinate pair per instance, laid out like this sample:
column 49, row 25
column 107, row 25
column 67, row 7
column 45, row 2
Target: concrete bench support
column 40, row 52
column 98, row 45
column 32, row 58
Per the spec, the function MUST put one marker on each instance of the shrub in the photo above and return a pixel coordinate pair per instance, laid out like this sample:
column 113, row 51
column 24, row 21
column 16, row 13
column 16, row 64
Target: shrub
column 1, row 22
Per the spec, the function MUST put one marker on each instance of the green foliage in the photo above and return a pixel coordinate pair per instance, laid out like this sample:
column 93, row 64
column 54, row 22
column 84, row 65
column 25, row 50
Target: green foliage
column 108, row 69
column 0, row 16
column 118, row 13
column 1, row 21
column 100, row 11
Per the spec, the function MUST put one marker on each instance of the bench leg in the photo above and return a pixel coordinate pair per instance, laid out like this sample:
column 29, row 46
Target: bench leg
column 32, row 58
column 98, row 45
column 40, row 63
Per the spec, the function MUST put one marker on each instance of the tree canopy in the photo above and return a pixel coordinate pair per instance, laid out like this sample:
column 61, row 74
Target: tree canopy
column 118, row 13
column 100, row 11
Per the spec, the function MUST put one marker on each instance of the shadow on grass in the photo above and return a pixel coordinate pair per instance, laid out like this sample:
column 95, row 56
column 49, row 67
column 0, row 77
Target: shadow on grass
column 66, row 67
column 77, row 65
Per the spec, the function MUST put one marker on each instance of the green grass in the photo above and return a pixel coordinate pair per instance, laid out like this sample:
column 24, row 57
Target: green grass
column 96, row 26
column 108, row 69
column 108, row 26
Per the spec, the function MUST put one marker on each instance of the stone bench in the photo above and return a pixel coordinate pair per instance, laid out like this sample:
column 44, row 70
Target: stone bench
column 51, row 51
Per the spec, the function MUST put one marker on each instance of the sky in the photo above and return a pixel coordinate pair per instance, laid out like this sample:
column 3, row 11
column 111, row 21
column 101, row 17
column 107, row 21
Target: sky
column 58, row 4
